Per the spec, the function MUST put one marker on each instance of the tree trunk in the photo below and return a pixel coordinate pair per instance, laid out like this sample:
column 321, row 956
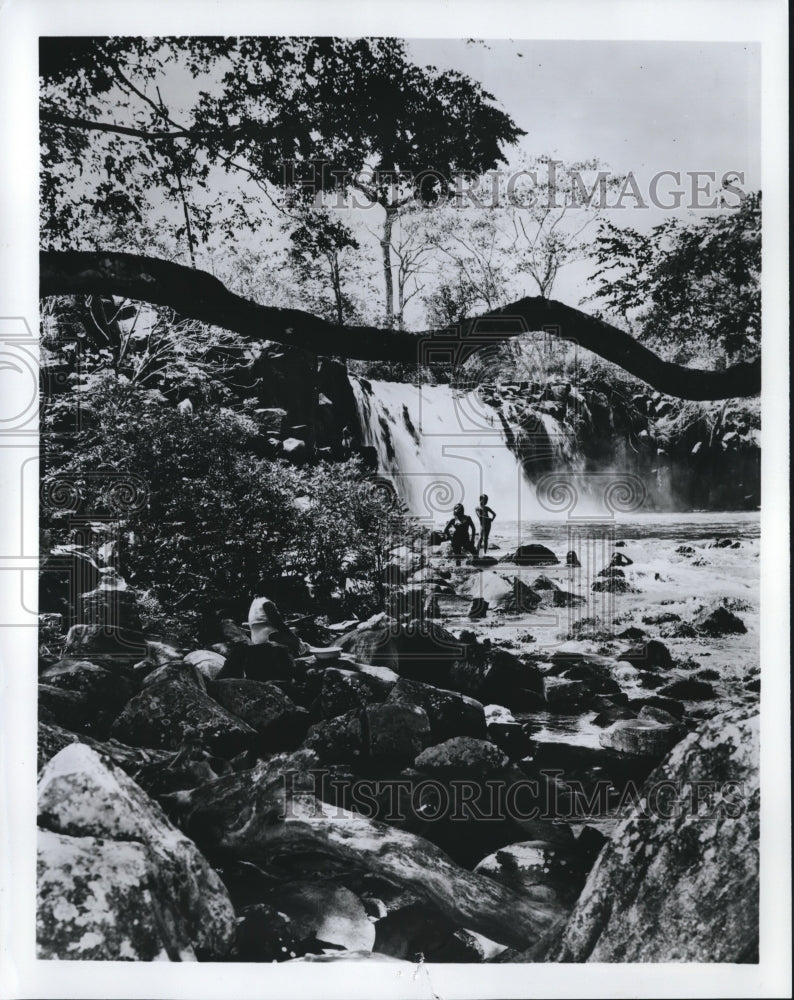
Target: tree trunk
column 198, row 295
column 388, row 278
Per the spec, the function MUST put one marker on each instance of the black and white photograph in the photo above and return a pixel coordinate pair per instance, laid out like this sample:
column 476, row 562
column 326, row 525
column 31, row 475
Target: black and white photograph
column 395, row 542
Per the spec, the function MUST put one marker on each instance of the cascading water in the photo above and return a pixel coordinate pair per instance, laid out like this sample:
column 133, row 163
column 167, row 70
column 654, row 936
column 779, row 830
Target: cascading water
column 439, row 447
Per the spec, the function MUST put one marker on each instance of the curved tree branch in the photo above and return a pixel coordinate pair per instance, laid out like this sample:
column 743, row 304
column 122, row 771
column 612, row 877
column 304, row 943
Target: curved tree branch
column 198, row 295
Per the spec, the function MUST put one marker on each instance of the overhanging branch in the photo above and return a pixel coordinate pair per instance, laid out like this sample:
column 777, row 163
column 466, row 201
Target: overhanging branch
column 200, row 296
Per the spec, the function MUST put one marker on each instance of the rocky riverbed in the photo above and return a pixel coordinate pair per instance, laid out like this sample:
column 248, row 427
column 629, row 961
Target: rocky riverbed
column 527, row 758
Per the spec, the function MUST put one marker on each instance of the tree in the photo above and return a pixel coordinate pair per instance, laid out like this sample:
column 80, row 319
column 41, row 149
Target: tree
column 201, row 296
column 694, row 287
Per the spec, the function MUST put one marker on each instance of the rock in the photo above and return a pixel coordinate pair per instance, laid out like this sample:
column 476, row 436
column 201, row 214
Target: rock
column 102, row 691
column 670, row 705
column 104, row 645
column 632, row 633
column 337, row 741
column 509, row 735
column 325, row 913
column 650, row 655
column 642, row 736
column 265, row 935
column 612, row 572
column 462, row 754
column 449, row 713
column 655, row 714
column 673, row 885
column 99, row 900
column 53, row 738
column 232, row 633
column 112, row 603
column 280, row 723
column 722, row 543
column 505, row 594
column 208, row 663
column 619, row 559
column 483, row 560
column 571, row 559
column 680, row 630
column 688, row 689
column 295, row 450
column 81, row 795
column 537, row 867
column 532, row 555
column 174, row 670
column 272, row 421
column 478, row 608
column 495, row 676
column 423, row 650
column 292, row 825
column 265, row 661
column 719, row 622
column 611, row 714
column 611, row 585
column 72, row 710
column 396, row 732
column 685, row 550
column 173, row 712
column 446, row 606
column 346, row 690
column 563, row 694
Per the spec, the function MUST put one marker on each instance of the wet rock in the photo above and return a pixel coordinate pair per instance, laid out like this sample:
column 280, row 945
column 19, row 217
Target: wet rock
column 663, row 618
column 337, row 741
column 723, row 543
column 641, row 736
column 613, row 713
column 462, row 754
column 671, row 887
column 280, row 723
column 532, row 555
column 685, row 550
column 571, row 559
column 208, row 663
column 611, row 585
column 719, row 622
column 707, row 674
column 650, row 655
column 502, row 593
column 172, row 712
column 509, row 735
column 658, row 715
column 82, row 795
column 632, row 633
column 496, row 676
column 680, row 630
column 688, row 689
column 423, row 651
column 98, row 900
column 563, row 694
column 450, row 713
column 396, row 732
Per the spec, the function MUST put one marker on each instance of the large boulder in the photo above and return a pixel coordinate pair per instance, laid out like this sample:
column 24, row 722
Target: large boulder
column 330, row 914
column 450, row 713
column 99, row 900
column 532, row 555
column 421, row 650
column 281, row 723
column 496, row 676
column 719, row 622
column 650, row 655
column 345, row 690
column 105, row 645
column 396, row 732
column 506, row 594
column 679, row 882
column 462, row 754
column 82, row 795
column 174, row 712
column 337, row 741
column 645, row 737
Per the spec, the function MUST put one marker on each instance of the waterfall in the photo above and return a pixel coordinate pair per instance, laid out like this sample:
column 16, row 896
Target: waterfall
column 440, row 446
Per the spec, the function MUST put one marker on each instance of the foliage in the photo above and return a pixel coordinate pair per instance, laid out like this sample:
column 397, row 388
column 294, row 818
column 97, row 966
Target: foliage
column 219, row 524
column 686, row 287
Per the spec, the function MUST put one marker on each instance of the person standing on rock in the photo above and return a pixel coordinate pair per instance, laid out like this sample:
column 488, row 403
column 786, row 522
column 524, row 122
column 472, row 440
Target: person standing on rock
column 486, row 516
column 463, row 532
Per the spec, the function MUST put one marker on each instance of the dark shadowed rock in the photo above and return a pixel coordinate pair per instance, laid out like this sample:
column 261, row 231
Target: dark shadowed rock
column 325, row 913
column 683, row 888
column 450, row 713
column 347, row 690
column 688, row 689
column 337, row 741
column 619, row 559
column 651, row 655
column 100, row 692
column 265, row 661
column 172, row 712
column 396, row 732
column 511, row 736
column 571, row 559
column 82, row 795
column 280, row 723
column 611, row 585
column 719, row 622
column 532, row 555
column 104, row 645
column 478, row 608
